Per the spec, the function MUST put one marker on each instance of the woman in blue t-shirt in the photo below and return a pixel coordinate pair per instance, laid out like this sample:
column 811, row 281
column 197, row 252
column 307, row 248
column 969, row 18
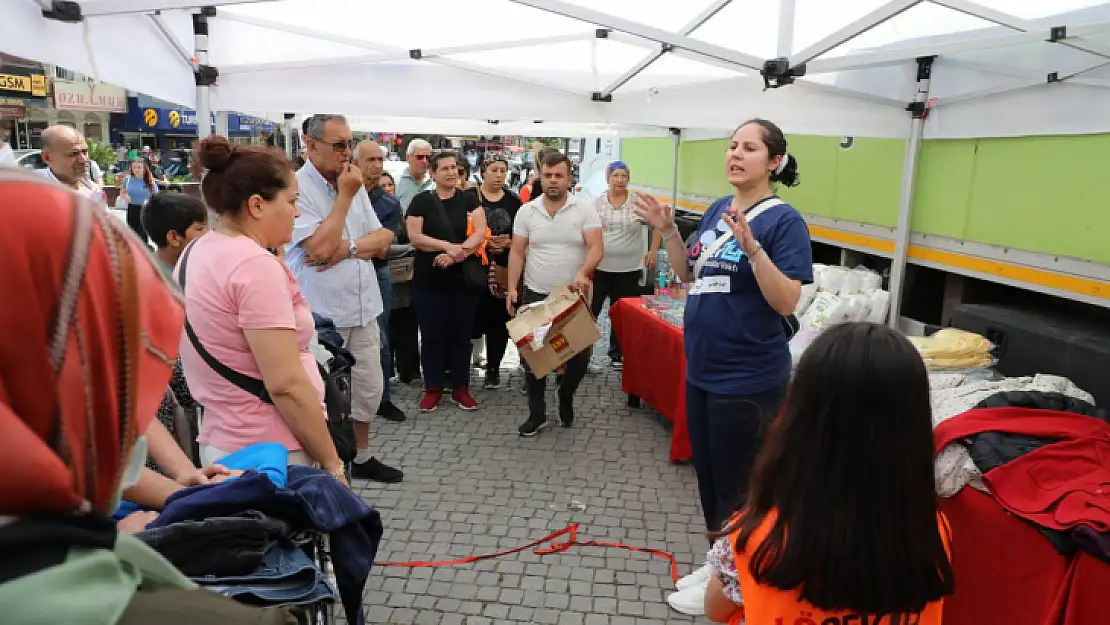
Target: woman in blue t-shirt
column 135, row 189
column 748, row 261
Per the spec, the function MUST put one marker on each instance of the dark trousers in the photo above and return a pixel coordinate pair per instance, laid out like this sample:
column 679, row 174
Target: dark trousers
column 405, row 343
column 386, row 289
column 490, row 322
column 446, row 316
column 537, row 387
column 615, row 286
column 725, row 434
column 135, row 221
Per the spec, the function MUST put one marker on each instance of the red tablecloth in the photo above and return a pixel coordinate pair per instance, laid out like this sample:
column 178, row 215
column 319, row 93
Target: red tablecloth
column 654, row 367
column 1007, row 573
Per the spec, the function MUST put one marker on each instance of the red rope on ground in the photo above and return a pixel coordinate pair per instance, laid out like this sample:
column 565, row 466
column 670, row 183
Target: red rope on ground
column 571, row 531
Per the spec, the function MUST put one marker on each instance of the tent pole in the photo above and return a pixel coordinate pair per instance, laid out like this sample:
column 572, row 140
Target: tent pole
column 785, row 44
column 918, row 109
column 204, row 91
column 676, row 136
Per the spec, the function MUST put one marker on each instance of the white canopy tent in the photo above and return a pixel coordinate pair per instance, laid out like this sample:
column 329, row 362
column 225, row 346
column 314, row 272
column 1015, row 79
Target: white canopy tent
column 964, row 68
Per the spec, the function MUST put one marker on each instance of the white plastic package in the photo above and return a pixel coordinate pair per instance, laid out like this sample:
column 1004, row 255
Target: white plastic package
column 809, row 291
column 833, row 278
column 880, row 306
column 827, row 308
column 859, row 281
column 859, row 306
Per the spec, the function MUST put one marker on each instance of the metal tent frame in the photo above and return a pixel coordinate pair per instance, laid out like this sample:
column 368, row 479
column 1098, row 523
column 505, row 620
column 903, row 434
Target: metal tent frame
column 789, row 67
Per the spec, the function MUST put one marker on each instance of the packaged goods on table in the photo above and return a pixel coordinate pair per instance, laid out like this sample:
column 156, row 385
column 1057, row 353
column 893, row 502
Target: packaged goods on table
column 952, row 349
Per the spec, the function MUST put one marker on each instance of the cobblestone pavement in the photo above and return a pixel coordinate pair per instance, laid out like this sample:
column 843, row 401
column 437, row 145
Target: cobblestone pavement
column 473, row 486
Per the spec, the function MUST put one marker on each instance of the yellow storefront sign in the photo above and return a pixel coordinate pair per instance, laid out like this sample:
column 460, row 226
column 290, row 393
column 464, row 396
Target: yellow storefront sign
column 34, row 85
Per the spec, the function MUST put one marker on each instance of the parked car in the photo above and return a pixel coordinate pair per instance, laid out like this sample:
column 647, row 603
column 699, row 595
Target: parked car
column 29, row 159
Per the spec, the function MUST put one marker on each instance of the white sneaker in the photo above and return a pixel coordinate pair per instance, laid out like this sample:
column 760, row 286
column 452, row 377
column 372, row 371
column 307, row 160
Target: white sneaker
column 698, row 577
column 690, row 601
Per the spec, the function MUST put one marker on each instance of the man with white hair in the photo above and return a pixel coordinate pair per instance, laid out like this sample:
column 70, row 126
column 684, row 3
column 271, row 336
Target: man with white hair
column 66, row 153
column 414, row 180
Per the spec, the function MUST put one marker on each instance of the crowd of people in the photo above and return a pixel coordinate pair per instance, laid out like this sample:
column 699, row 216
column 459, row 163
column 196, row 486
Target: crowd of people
column 816, row 484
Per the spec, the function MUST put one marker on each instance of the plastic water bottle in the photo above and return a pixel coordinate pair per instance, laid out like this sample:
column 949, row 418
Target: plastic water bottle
column 663, row 281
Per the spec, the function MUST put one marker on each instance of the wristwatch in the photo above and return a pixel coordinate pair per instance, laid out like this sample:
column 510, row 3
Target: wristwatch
column 352, row 251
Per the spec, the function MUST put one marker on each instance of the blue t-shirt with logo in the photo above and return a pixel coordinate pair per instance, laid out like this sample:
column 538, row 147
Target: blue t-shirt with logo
column 735, row 342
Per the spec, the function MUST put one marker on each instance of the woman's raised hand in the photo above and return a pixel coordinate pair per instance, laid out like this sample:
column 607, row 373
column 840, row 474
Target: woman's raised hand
column 654, row 213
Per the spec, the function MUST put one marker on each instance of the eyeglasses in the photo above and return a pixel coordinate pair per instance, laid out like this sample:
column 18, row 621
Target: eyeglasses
column 341, row 146
column 421, row 157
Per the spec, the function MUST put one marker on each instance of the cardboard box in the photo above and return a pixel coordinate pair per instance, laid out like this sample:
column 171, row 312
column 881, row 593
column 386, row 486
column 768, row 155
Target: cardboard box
column 551, row 332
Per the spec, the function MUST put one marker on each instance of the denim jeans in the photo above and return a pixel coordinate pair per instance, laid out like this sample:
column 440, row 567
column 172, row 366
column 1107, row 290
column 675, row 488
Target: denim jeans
column 386, row 288
column 217, row 546
column 286, row 577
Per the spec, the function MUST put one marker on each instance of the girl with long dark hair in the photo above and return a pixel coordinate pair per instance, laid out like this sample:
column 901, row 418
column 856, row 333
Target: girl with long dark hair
column 841, row 523
column 135, row 189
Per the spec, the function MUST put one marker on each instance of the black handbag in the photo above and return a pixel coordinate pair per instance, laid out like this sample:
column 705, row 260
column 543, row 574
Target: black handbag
column 337, row 384
column 475, row 273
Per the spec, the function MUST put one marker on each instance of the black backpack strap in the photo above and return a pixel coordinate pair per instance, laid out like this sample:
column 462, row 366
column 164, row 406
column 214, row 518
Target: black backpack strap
column 254, row 386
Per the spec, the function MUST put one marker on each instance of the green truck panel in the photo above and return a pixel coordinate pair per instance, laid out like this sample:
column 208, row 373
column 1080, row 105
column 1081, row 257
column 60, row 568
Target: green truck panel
column 1031, row 193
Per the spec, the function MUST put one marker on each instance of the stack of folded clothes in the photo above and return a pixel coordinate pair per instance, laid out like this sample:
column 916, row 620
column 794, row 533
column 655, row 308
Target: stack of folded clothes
column 247, row 556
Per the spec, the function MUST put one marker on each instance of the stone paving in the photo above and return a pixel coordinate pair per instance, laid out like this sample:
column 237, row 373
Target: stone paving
column 473, row 486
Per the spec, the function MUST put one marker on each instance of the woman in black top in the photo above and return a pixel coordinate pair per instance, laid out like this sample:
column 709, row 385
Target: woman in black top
column 437, row 222
column 501, row 206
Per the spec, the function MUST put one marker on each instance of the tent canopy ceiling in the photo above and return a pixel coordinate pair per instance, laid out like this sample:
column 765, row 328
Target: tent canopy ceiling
column 665, row 64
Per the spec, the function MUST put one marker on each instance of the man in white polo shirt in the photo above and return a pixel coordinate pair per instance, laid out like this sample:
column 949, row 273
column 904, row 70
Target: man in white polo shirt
column 336, row 236
column 556, row 241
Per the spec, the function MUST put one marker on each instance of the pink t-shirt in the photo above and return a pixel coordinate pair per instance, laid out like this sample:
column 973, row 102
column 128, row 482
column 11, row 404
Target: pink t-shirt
column 235, row 285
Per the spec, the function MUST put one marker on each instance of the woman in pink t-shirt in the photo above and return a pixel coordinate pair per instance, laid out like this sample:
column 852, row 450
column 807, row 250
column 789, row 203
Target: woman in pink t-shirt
column 247, row 312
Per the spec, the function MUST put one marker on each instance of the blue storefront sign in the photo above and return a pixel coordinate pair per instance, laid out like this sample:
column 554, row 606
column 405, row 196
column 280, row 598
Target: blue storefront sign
column 159, row 119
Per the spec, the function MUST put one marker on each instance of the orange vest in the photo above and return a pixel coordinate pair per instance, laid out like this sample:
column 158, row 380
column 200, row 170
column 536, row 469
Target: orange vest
column 766, row 605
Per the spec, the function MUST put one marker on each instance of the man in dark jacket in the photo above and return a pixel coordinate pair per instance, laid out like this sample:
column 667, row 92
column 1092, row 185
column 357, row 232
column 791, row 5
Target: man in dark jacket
column 370, row 158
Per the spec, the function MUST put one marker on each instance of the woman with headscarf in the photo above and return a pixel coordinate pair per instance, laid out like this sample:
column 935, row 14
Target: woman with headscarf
column 83, row 366
column 626, row 249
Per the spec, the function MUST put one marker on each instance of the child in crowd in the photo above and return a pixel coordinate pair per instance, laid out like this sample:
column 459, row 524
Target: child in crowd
column 841, row 523
column 172, row 220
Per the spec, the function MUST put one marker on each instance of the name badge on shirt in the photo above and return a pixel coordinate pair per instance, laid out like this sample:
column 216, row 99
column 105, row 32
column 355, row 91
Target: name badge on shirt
column 712, row 284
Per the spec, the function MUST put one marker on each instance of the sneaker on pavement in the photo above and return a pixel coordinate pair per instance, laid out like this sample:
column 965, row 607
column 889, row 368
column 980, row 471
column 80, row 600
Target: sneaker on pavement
column 532, row 426
column 699, row 576
column 617, row 364
column 493, row 381
column 390, row 412
column 690, row 602
column 375, row 471
column 461, row 397
column 593, row 369
column 431, row 399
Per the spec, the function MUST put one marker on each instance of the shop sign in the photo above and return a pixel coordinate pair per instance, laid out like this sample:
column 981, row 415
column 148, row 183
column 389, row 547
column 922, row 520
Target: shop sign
column 18, row 81
column 88, row 96
column 23, row 102
column 12, row 112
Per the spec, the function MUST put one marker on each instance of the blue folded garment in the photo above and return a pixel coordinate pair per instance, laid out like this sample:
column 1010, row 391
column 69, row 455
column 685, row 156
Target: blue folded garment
column 269, row 459
column 286, row 577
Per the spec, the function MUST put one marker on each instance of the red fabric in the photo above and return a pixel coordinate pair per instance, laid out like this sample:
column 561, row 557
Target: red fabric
column 1030, row 421
column 654, row 367
column 1008, row 574
column 1059, row 486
